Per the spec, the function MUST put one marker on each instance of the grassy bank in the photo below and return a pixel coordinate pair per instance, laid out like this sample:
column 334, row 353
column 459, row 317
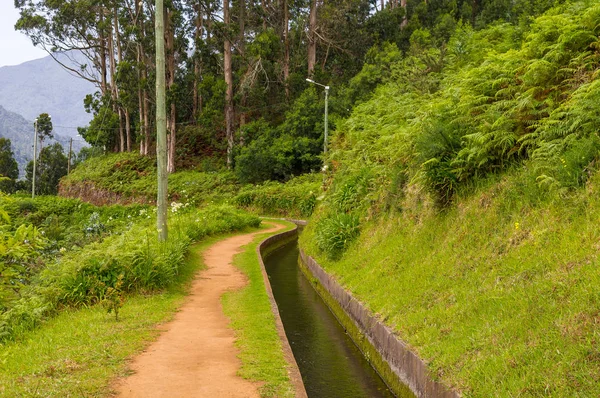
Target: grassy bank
column 499, row 294
column 250, row 312
column 129, row 177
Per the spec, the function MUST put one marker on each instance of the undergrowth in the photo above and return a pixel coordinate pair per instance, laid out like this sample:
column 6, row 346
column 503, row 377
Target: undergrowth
column 134, row 177
column 131, row 261
column 468, row 182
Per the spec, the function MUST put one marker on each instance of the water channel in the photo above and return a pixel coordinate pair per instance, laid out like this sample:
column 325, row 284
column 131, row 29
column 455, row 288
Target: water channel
column 330, row 363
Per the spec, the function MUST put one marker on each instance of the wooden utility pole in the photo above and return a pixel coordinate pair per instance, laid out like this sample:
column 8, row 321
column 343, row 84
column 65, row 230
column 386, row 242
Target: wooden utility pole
column 70, row 151
column 161, row 123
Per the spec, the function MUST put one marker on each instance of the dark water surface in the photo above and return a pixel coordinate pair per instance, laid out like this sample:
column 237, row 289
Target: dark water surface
column 330, row 364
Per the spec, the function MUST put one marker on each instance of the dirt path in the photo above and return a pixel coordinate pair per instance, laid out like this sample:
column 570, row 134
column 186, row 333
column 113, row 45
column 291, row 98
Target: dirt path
column 196, row 356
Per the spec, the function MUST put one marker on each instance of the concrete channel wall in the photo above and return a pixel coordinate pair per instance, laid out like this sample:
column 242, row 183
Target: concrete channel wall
column 293, row 370
column 389, row 355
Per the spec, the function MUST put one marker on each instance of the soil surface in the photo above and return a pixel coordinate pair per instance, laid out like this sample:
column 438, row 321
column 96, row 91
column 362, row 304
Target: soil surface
column 195, row 356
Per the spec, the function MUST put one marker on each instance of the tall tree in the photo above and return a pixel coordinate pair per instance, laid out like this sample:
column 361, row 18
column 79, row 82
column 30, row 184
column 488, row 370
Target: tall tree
column 44, row 128
column 9, row 169
column 51, row 167
column 312, row 38
column 227, row 68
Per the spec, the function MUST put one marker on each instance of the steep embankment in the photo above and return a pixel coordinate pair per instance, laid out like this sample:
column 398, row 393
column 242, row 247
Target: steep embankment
column 463, row 205
column 130, row 178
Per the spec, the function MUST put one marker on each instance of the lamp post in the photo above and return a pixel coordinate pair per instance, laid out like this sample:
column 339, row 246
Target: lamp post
column 326, row 111
column 34, row 158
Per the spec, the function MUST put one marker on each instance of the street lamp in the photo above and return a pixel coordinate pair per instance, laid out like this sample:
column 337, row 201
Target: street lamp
column 326, row 99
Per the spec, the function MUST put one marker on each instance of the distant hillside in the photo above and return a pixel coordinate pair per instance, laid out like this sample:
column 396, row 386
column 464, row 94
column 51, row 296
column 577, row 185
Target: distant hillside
column 20, row 132
column 41, row 86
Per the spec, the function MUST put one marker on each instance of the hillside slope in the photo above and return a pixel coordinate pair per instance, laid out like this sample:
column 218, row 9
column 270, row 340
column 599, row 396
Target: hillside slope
column 469, row 183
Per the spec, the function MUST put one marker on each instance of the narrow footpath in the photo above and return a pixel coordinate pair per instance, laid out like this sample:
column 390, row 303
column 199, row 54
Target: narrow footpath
column 195, row 356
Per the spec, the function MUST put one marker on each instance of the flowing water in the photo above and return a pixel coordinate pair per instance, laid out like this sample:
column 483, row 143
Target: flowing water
column 330, row 363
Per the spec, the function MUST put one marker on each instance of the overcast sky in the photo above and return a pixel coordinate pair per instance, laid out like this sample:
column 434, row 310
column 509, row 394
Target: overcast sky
column 15, row 48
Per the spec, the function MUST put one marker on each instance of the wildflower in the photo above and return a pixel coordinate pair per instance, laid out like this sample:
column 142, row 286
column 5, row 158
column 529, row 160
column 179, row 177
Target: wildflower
column 176, row 206
column 62, row 250
column 517, row 226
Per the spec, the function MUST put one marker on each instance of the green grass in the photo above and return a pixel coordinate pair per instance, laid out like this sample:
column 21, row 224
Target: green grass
column 81, row 351
column 250, row 312
column 132, row 176
column 500, row 295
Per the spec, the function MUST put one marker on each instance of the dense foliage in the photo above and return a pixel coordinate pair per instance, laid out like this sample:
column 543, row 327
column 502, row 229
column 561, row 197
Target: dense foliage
column 9, row 169
column 447, row 116
column 71, row 254
column 468, row 181
column 263, row 118
column 134, row 178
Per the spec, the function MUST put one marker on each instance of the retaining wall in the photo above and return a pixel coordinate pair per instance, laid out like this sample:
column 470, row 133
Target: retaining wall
column 271, row 243
column 390, row 356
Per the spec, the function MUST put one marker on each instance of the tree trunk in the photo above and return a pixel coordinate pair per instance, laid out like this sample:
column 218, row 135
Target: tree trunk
column 229, row 82
column 172, row 119
column 146, row 122
column 405, row 18
column 197, row 101
column 103, row 72
column 312, row 38
column 123, row 112
column 128, row 130
column 263, row 6
column 242, row 50
column 114, row 89
column 286, row 43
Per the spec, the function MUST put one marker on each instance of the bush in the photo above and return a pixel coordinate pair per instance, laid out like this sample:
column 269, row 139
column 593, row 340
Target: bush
column 134, row 259
column 296, row 198
column 334, row 233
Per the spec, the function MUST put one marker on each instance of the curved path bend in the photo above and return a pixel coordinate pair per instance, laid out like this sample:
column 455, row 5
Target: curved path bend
column 195, row 356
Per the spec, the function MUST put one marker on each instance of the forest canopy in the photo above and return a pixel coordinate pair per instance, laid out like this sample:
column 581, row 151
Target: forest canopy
column 236, row 70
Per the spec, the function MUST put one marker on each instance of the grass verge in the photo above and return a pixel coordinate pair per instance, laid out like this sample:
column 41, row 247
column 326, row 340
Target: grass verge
column 499, row 296
column 80, row 351
column 250, row 312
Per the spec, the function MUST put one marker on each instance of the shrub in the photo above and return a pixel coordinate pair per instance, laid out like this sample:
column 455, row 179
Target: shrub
column 334, row 233
column 131, row 261
column 296, row 198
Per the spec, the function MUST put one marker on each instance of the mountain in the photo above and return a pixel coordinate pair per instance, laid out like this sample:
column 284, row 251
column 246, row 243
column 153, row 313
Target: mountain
column 20, row 132
column 43, row 85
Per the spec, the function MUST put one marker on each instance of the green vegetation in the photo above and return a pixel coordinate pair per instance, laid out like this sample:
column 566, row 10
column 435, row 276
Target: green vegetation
column 9, row 170
column 463, row 172
column 498, row 295
column 129, row 261
column 134, row 176
column 254, row 323
column 81, row 351
column 468, row 181
column 295, row 198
